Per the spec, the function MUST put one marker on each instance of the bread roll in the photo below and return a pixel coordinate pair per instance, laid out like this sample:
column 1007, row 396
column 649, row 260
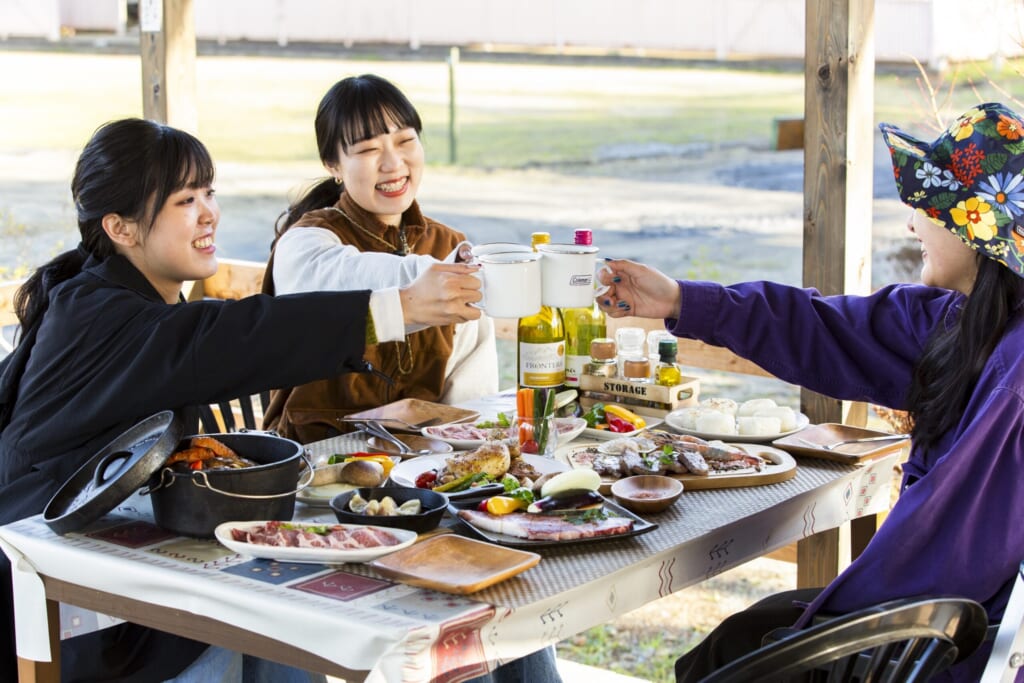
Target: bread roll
column 362, row 473
column 714, row 422
column 722, row 405
column 786, row 415
column 758, row 426
column 750, row 408
column 686, row 418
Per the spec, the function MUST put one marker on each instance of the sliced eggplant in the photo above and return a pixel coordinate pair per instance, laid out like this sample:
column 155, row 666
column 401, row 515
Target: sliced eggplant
column 567, row 501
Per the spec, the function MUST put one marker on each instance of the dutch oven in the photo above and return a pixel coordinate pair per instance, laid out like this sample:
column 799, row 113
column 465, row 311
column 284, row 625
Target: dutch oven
column 190, row 503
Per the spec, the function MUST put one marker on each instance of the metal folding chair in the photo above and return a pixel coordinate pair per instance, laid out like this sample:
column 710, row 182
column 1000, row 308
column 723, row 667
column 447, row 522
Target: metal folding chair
column 898, row 641
column 1008, row 648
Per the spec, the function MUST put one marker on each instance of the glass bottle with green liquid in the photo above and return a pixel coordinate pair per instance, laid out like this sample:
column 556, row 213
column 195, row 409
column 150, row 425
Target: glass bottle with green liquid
column 541, row 342
column 582, row 326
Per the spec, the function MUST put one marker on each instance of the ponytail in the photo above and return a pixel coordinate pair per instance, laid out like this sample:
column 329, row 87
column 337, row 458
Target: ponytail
column 33, row 298
column 321, row 195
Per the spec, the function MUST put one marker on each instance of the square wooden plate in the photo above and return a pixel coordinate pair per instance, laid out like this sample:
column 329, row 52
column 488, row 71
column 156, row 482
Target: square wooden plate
column 454, row 564
column 830, row 432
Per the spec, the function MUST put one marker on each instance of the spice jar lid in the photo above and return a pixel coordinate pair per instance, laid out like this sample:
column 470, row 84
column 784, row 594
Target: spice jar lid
column 602, row 348
column 630, row 338
column 636, row 369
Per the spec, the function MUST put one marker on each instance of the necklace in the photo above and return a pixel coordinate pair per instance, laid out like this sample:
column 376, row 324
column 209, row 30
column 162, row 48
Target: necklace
column 404, row 368
column 403, row 247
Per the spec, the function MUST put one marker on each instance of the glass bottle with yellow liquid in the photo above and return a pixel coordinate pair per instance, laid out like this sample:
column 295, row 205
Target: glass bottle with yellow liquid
column 582, row 326
column 541, row 342
column 667, row 372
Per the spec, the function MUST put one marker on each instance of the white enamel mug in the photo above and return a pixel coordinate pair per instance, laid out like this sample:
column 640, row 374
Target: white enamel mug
column 569, row 275
column 511, row 284
column 479, row 250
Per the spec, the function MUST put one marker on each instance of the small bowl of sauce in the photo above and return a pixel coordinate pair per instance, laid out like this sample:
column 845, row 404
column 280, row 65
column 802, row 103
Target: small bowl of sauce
column 647, row 493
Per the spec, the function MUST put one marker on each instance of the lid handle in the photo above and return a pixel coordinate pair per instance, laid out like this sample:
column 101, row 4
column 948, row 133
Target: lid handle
column 98, row 479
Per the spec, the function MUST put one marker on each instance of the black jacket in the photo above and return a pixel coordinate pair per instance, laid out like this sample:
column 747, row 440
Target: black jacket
column 110, row 352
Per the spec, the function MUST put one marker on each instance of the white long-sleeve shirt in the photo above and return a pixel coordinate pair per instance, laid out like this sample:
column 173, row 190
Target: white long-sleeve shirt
column 310, row 259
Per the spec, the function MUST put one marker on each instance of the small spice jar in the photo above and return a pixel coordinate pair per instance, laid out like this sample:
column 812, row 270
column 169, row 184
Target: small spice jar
column 638, row 368
column 602, row 358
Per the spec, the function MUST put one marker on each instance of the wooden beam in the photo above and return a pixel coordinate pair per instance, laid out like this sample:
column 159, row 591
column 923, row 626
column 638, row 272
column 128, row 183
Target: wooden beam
column 838, row 133
column 167, row 44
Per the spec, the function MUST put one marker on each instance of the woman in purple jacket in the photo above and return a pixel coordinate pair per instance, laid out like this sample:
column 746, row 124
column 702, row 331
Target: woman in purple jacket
column 949, row 352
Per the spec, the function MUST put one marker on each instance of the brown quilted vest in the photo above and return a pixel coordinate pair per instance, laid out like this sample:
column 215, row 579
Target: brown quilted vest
column 416, row 367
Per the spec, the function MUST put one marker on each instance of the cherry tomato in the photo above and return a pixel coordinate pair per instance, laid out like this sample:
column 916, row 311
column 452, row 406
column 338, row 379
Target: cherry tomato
column 426, row 480
column 529, row 446
column 482, row 505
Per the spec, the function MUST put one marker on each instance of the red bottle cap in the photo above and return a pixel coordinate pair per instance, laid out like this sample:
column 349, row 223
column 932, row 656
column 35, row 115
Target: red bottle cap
column 585, row 237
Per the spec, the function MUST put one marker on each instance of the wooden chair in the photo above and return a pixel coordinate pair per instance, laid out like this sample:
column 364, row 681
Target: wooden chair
column 224, row 416
column 895, row 642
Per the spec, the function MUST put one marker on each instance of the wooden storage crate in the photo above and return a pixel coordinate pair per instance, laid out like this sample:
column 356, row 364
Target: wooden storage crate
column 654, row 399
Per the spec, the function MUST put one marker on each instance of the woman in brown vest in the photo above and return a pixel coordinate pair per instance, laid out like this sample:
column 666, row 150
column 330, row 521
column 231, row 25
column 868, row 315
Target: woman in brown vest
column 363, row 229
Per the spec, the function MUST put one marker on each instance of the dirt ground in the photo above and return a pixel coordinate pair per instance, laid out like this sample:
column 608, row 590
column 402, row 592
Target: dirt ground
column 726, row 214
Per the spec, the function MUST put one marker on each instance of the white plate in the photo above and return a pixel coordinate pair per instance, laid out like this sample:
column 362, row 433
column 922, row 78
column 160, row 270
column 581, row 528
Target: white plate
column 317, row 555
column 406, row 472
column 672, row 422
column 568, row 429
column 320, row 496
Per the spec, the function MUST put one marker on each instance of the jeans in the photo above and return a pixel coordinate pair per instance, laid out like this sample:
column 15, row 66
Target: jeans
column 218, row 665
column 538, row 667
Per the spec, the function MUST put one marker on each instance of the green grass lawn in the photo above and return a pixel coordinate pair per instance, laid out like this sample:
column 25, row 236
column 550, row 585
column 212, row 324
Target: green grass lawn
column 509, row 115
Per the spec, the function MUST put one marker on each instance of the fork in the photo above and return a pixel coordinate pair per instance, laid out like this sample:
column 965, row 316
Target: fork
column 836, row 444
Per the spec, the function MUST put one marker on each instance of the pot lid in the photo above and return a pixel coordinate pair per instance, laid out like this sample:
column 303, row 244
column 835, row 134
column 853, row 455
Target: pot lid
column 118, row 470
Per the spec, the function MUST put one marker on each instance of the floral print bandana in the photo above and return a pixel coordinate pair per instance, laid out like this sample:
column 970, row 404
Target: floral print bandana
column 970, row 180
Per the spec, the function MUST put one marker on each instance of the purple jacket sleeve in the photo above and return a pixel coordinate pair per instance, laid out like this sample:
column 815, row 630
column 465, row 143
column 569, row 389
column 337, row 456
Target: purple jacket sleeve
column 847, row 347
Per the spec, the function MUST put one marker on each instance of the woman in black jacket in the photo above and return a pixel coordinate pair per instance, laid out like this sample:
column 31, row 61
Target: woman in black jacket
column 106, row 339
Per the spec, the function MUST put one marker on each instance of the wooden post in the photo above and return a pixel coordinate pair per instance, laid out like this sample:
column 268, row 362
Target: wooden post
column 838, row 134
column 167, row 43
column 453, row 62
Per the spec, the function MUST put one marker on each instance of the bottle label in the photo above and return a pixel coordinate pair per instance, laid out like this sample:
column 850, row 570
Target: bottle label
column 574, row 368
column 541, row 365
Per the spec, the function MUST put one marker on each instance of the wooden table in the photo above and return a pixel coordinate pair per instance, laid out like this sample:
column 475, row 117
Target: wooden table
column 346, row 621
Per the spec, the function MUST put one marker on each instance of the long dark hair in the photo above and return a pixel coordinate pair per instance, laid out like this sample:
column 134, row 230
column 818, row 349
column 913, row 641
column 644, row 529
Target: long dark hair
column 954, row 357
column 356, row 108
column 129, row 167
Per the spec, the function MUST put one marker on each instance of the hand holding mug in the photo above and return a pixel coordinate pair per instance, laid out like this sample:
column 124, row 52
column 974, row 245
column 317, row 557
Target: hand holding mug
column 637, row 289
column 444, row 294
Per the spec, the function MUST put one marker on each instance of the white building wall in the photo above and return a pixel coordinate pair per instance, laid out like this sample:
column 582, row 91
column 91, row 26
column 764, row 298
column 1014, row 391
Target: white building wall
column 930, row 31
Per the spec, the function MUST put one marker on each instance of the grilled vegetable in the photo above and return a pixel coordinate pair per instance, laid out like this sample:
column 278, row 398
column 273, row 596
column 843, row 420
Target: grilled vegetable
column 362, row 473
column 572, row 480
column 625, row 414
column 502, row 505
column 567, row 501
column 462, row 483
